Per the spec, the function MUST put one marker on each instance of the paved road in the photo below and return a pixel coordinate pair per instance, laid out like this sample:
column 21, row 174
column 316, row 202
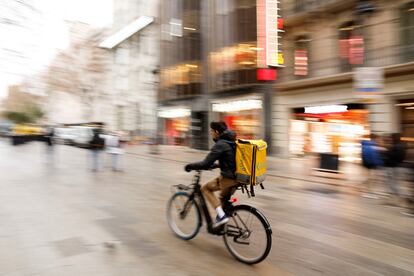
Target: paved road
column 65, row 220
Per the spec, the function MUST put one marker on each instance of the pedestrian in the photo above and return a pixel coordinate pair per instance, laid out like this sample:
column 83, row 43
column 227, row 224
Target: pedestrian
column 372, row 161
column 96, row 145
column 409, row 162
column 49, row 140
column 394, row 158
column 113, row 148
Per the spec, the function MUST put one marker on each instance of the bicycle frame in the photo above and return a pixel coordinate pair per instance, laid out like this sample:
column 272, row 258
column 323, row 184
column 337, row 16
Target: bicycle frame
column 235, row 232
column 202, row 206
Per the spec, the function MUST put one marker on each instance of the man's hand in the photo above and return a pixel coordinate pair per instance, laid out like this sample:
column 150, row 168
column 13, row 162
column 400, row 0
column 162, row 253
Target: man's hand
column 215, row 166
column 187, row 168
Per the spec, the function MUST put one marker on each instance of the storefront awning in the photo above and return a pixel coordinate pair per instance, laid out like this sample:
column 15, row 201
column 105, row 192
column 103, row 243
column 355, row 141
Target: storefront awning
column 126, row 32
column 238, row 105
column 169, row 113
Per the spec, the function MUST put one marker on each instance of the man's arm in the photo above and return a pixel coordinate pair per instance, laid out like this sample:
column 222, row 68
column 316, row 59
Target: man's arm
column 208, row 162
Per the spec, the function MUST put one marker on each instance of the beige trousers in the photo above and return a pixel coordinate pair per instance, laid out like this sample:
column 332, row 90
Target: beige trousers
column 226, row 186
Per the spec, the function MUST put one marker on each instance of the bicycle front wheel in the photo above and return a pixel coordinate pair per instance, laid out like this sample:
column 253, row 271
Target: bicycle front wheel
column 183, row 216
column 247, row 235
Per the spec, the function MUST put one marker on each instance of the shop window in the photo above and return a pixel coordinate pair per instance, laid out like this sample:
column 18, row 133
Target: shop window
column 351, row 45
column 301, row 56
column 185, row 79
column 407, row 31
column 323, row 129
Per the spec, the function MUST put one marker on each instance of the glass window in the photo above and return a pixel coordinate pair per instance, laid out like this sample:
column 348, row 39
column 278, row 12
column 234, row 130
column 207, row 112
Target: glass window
column 351, row 46
column 181, row 52
column 121, row 56
column 407, row 35
column 301, row 56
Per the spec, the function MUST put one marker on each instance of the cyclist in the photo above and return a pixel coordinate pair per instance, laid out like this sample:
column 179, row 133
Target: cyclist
column 224, row 152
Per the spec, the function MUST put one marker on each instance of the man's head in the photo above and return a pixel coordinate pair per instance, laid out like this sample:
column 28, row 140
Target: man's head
column 217, row 128
column 396, row 138
column 373, row 137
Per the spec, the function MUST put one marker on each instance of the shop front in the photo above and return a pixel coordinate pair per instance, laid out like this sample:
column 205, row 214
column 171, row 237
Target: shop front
column 243, row 115
column 176, row 124
column 336, row 129
column 406, row 110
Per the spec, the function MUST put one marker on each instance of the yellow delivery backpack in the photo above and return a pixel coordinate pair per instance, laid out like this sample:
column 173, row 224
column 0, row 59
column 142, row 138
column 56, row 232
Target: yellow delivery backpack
column 251, row 162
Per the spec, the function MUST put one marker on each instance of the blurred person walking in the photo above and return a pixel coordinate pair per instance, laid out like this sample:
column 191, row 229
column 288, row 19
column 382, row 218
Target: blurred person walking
column 113, row 148
column 409, row 162
column 394, row 158
column 372, row 160
column 96, row 145
column 49, row 140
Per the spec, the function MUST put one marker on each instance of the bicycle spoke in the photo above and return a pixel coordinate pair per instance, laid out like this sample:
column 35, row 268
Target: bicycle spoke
column 246, row 236
column 183, row 216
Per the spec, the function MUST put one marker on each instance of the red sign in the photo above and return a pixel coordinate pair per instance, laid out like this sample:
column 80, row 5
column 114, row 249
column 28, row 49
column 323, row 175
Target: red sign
column 264, row 74
column 280, row 23
column 301, row 62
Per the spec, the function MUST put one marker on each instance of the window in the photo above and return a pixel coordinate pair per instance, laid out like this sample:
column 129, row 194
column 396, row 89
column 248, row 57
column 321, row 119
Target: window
column 351, row 45
column 121, row 83
column 301, row 56
column 121, row 56
column 407, row 34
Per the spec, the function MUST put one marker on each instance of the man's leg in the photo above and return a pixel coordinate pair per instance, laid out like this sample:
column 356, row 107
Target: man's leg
column 396, row 182
column 208, row 190
column 114, row 162
column 227, row 187
column 94, row 160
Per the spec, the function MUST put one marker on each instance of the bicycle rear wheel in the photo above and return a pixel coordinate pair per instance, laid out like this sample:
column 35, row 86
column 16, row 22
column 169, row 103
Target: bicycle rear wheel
column 183, row 216
column 247, row 235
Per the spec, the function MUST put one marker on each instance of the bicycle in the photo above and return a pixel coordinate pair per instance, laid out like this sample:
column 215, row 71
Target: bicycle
column 243, row 233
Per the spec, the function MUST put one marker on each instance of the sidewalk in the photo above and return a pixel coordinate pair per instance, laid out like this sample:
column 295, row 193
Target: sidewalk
column 300, row 169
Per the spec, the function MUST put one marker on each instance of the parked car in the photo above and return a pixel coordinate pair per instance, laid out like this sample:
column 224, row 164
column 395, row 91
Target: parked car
column 26, row 129
column 64, row 135
column 82, row 135
column 5, row 128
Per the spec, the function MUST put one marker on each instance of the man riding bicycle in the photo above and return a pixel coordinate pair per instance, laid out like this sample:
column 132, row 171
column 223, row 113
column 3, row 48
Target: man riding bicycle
column 224, row 152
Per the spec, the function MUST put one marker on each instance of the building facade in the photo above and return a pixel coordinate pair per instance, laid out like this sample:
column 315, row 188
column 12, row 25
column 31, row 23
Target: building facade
column 317, row 106
column 108, row 75
column 210, row 71
column 134, row 47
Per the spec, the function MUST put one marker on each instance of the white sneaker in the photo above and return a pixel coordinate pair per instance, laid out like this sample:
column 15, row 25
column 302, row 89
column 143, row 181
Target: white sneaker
column 221, row 221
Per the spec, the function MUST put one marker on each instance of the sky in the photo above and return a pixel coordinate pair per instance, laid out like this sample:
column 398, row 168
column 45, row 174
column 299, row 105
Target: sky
column 47, row 34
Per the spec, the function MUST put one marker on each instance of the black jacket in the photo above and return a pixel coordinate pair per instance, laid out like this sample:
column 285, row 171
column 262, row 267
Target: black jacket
column 395, row 155
column 225, row 152
column 97, row 143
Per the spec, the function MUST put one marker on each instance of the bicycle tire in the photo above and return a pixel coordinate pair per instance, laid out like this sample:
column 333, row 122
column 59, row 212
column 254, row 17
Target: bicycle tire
column 172, row 223
column 229, row 237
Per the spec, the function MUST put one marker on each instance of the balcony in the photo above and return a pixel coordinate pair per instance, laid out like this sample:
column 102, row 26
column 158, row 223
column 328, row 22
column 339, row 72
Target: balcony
column 323, row 68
